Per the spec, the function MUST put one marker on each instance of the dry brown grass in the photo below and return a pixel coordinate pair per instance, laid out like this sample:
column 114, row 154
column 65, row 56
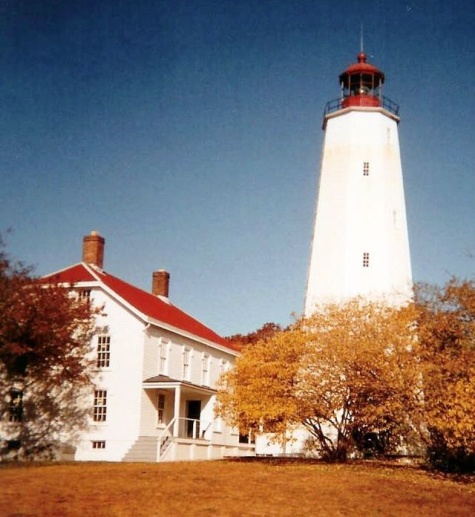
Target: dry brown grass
column 231, row 488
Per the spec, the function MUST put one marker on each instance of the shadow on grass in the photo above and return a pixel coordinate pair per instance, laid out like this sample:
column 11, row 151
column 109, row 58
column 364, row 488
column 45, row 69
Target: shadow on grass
column 413, row 465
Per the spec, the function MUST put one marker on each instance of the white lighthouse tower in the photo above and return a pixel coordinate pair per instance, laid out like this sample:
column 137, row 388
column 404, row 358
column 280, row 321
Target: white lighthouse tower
column 360, row 242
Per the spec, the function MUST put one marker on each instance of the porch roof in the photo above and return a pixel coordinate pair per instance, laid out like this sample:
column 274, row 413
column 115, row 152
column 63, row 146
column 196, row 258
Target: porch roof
column 164, row 382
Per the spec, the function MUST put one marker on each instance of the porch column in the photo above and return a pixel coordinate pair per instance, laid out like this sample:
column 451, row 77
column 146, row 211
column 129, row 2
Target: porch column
column 176, row 411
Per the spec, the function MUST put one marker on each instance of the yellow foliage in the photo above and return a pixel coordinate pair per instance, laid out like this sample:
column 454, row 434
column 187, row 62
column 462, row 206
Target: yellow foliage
column 446, row 322
column 350, row 367
column 259, row 390
column 362, row 367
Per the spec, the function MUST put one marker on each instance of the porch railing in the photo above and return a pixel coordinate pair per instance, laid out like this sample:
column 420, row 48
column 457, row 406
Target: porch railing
column 187, row 428
column 193, row 428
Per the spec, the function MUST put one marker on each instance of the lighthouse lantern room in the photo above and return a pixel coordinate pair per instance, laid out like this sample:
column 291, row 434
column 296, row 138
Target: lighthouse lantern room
column 360, row 243
column 361, row 84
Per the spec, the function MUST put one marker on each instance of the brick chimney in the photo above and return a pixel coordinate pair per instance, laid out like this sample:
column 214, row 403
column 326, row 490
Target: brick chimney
column 160, row 283
column 93, row 249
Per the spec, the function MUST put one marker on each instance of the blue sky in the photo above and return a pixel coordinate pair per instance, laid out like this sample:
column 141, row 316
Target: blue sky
column 188, row 133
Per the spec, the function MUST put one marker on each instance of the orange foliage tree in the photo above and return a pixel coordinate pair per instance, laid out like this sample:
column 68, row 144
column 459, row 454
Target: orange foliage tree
column 360, row 377
column 239, row 341
column 45, row 335
column 259, row 393
column 349, row 370
column 446, row 323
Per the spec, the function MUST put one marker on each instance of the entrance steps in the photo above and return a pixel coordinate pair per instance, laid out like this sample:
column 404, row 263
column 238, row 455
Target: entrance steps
column 143, row 450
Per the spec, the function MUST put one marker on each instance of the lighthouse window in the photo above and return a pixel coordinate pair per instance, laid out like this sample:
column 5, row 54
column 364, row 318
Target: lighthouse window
column 365, row 168
column 366, row 259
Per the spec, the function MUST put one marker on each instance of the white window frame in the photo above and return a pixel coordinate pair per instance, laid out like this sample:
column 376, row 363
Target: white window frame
column 163, row 359
column 84, row 295
column 366, row 259
column 15, row 405
column 100, row 405
column 161, row 406
column 223, row 366
column 206, row 363
column 103, row 351
column 187, row 356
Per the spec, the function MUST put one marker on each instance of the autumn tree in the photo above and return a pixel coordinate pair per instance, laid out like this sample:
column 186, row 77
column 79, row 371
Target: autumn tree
column 349, row 370
column 239, row 341
column 45, row 335
column 360, row 377
column 259, row 393
column 446, row 323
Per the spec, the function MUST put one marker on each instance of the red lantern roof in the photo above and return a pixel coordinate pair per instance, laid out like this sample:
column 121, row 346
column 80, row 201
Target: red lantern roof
column 362, row 67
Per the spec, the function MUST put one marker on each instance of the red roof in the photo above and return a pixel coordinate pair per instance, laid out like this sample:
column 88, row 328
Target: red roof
column 362, row 67
column 71, row 275
column 146, row 303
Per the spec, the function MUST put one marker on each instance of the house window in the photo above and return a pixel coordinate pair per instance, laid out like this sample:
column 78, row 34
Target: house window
column 103, row 351
column 99, row 444
column 205, row 369
column 186, row 363
column 365, row 259
column 223, row 366
column 13, row 445
column 100, row 405
column 164, row 357
column 84, row 295
column 15, row 406
column 365, row 168
column 161, row 408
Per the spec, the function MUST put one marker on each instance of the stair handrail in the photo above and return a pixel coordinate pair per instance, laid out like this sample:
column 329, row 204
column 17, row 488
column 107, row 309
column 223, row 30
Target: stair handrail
column 166, row 429
column 166, row 436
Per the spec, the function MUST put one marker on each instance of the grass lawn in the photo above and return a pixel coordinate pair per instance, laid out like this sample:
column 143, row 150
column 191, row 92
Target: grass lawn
column 231, row 488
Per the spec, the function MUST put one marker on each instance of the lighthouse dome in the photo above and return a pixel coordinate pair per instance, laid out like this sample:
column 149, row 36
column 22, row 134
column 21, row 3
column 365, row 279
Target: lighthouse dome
column 361, row 67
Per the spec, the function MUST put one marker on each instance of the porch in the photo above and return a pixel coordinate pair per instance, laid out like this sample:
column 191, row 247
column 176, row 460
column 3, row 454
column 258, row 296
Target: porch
column 179, row 424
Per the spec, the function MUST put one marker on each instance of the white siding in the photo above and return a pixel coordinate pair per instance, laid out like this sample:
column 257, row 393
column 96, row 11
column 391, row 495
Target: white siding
column 122, row 380
column 132, row 410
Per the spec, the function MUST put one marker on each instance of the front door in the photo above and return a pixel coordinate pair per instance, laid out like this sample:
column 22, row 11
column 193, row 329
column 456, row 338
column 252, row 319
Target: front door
column 193, row 413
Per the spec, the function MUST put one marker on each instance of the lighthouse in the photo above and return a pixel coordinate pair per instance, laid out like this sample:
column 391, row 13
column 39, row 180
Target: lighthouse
column 360, row 243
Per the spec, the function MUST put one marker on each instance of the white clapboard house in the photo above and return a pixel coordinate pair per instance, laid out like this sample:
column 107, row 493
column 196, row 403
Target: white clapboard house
column 157, row 368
